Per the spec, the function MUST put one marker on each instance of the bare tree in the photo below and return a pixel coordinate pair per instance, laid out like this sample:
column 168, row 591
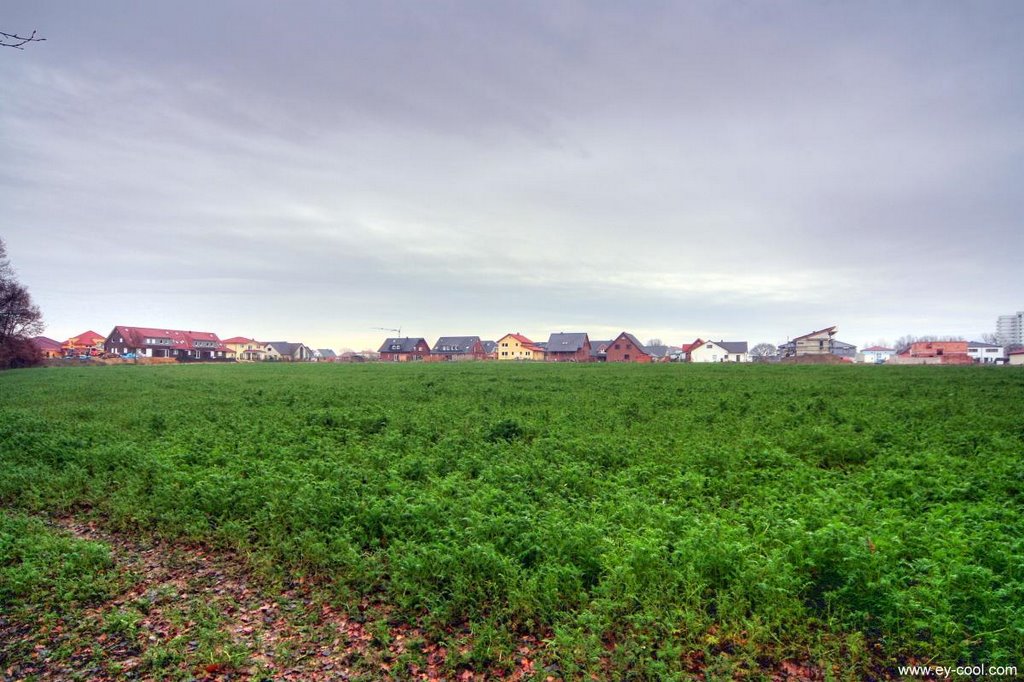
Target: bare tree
column 18, row 42
column 654, row 342
column 20, row 319
column 990, row 337
column 764, row 351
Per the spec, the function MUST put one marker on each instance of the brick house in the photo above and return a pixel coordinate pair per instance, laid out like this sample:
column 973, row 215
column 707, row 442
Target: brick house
column 151, row 342
column 934, row 353
column 568, row 347
column 457, row 349
column 404, row 349
column 599, row 350
column 626, row 348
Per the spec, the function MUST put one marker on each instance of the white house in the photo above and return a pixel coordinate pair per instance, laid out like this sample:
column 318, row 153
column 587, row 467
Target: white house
column 720, row 351
column 876, row 355
column 985, row 353
column 1016, row 357
column 288, row 352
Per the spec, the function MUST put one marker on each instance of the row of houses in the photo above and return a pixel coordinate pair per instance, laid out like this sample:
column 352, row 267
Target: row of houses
column 185, row 346
column 177, row 344
column 559, row 347
column 823, row 342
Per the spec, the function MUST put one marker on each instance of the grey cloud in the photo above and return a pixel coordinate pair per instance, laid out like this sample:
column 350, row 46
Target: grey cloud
column 698, row 166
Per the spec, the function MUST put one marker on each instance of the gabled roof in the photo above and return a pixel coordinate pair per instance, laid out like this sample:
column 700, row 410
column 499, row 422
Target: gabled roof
column 326, row 353
column 240, row 339
column 598, row 348
column 455, row 344
column 687, row 347
column 524, row 342
column 284, row 347
column 982, row 344
column 879, row 349
column 405, row 344
column 89, row 338
column 566, row 342
column 135, row 337
column 632, row 339
column 489, row 346
column 733, row 346
column 520, row 338
column 829, row 330
column 45, row 343
column 658, row 351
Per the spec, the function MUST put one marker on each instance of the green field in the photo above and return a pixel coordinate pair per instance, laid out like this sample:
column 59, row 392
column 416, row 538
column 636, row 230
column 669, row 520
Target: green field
column 642, row 521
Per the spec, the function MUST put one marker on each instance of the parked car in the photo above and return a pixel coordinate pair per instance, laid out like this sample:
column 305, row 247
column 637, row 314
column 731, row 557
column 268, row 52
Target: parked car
column 129, row 356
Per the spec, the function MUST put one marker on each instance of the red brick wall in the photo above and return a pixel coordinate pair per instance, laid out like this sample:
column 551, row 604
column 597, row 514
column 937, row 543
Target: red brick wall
column 930, row 349
column 621, row 347
column 582, row 355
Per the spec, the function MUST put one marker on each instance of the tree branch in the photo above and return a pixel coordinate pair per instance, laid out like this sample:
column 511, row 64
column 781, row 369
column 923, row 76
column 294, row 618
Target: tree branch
column 17, row 41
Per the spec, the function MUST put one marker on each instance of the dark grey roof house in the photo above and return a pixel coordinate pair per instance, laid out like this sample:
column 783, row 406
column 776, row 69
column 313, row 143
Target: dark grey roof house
column 295, row 352
column 458, row 348
column 733, row 346
column 404, row 349
column 599, row 350
column 568, row 347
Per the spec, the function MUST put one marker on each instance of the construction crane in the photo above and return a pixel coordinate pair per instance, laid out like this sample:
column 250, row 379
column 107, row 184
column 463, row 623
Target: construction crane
column 388, row 329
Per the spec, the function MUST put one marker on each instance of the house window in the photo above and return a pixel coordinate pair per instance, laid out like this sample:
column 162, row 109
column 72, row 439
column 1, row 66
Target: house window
column 617, row 347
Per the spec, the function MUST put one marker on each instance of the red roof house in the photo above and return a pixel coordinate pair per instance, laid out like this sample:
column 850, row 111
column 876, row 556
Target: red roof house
column 688, row 347
column 85, row 343
column 48, row 348
column 154, row 342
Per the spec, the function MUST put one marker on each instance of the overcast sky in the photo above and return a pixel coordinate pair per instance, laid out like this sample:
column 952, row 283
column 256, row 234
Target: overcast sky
column 308, row 171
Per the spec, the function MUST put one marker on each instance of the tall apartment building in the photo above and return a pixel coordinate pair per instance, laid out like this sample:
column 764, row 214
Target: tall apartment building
column 1010, row 328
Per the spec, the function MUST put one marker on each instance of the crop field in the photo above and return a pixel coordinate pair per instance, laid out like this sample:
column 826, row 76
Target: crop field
column 519, row 521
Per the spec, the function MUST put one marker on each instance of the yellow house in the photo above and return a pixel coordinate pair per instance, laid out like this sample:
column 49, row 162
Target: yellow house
column 247, row 349
column 518, row 347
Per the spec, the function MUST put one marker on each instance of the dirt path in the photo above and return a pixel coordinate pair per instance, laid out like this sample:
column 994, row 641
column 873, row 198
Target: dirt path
column 193, row 613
